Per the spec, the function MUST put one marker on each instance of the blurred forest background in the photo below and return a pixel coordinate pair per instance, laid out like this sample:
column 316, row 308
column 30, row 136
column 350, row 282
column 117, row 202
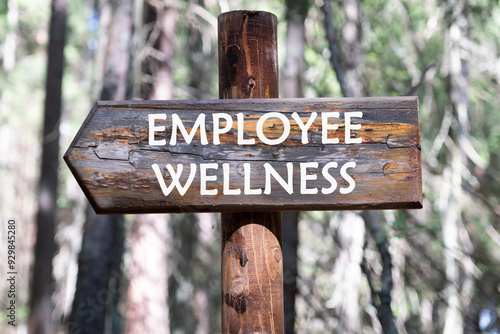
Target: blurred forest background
column 434, row 270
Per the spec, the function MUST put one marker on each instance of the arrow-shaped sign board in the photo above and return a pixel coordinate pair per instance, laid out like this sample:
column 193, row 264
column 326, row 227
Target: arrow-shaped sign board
column 248, row 155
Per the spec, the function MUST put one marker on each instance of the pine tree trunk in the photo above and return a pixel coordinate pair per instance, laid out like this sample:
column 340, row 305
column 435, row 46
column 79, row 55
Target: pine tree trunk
column 451, row 203
column 99, row 276
column 40, row 318
column 293, row 87
column 147, row 296
column 346, row 58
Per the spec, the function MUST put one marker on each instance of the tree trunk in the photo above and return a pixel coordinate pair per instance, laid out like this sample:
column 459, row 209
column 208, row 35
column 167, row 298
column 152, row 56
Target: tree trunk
column 290, row 264
column 9, row 44
column 347, row 272
column 351, row 48
column 94, row 293
column 147, row 308
column 200, row 81
column 346, row 56
column 295, row 66
column 293, row 87
column 99, row 276
column 40, row 318
column 161, row 64
column 346, row 60
column 451, row 207
column 147, row 297
column 351, row 230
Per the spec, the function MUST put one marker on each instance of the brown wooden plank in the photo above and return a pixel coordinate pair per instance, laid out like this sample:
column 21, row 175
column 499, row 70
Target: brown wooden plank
column 112, row 160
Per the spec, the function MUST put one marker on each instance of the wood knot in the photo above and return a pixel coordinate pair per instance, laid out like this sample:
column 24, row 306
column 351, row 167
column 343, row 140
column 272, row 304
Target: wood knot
column 241, row 255
column 237, row 297
column 251, row 83
column 237, row 286
column 277, row 254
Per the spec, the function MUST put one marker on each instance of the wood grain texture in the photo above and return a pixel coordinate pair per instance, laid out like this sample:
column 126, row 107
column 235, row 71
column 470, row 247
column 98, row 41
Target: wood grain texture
column 111, row 157
column 248, row 55
column 251, row 266
column 252, row 273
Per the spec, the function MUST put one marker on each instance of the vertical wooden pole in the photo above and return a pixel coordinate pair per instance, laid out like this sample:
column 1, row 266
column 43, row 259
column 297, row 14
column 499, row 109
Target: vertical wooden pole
column 252, row 271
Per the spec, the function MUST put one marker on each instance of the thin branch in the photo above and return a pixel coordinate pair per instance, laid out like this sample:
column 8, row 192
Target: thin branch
column 365, row 268
column 383, row 297
column 423, row 78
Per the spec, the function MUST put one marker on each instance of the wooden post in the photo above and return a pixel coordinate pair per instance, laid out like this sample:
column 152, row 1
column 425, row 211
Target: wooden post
column 252, row 270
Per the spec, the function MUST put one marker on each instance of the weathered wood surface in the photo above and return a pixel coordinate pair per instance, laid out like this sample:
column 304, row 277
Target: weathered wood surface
column 112, row 159
column 251, row 257
column 248, row 55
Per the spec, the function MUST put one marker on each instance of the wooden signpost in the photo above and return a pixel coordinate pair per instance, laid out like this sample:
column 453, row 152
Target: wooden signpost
column 258, row 155
column 249, row 155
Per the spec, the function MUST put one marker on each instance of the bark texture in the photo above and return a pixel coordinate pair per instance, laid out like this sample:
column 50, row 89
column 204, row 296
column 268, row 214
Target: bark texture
column 99, row 275
column 147, row 296
column 40, row 317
